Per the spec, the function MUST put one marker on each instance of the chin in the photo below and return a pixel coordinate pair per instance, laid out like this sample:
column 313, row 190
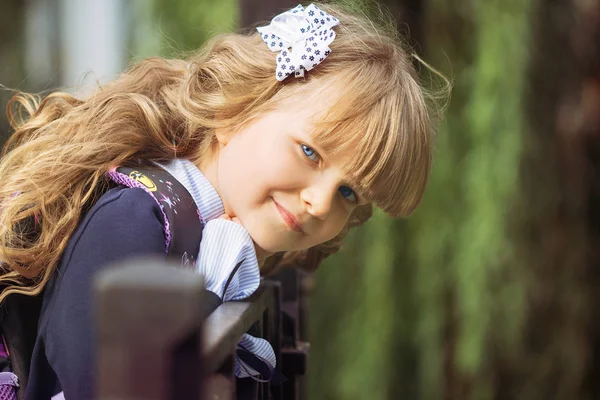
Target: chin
column 270, row 246
column 273, row 240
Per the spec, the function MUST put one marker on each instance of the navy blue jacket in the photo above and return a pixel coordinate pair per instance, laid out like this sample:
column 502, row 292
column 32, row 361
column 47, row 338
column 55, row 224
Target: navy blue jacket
column 123, row 223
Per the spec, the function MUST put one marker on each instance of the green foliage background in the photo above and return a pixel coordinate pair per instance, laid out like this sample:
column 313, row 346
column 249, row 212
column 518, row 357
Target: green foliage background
column 186, row 24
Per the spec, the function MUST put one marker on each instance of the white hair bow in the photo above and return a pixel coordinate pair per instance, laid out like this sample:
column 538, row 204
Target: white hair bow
column 302, row 37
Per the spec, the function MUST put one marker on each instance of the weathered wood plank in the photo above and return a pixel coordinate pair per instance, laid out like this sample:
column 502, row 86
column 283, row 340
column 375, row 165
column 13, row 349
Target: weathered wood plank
column 224, row 327
column 149, row 324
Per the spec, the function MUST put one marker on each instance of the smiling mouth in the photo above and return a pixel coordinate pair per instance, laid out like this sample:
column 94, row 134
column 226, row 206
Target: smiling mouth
column 288, row 218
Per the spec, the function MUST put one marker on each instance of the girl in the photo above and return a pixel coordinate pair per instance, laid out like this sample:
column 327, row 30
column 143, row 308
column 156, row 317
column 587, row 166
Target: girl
column 285, row 138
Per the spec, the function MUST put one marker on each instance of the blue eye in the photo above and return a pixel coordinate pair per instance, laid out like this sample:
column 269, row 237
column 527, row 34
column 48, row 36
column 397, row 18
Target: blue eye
column 348, row 193
column 310, row 153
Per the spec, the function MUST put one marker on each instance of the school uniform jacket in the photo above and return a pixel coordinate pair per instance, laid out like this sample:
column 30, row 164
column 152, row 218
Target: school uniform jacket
column 126, row 223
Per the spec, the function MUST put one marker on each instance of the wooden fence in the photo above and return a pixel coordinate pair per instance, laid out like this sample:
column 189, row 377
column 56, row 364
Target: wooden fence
column 157, row 341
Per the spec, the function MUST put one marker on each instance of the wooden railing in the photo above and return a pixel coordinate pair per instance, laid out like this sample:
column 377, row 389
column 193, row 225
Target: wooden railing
column 157, row 340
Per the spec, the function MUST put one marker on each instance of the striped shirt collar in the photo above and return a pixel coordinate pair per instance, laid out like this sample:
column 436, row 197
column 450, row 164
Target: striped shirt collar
column 204, row 194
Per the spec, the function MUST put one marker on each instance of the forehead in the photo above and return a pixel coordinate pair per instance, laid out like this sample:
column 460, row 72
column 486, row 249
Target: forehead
column 308, row 103
column 312, row 112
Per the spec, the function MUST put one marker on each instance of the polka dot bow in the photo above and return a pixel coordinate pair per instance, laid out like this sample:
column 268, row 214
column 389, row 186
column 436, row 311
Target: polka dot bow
column 302, row 36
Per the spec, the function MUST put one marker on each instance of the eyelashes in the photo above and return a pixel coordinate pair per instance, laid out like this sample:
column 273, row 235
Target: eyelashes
column 346, row 192
column 310, row 153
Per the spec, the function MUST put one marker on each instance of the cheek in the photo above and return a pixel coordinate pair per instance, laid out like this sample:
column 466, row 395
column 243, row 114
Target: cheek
column 273, row 167
column 232, row 177
column 334, row 226
column 245, row 172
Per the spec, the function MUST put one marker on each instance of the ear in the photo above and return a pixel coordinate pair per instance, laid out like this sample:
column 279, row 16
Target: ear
column 222, row 134
column 222, row 137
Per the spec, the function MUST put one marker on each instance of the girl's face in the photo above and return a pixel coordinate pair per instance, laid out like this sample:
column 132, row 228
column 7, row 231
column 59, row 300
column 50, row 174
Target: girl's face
column 285, row 191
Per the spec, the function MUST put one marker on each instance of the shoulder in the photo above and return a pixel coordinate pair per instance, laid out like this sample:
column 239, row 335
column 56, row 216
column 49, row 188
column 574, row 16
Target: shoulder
column 124, row 223
column 123, row 201
column 121, row 215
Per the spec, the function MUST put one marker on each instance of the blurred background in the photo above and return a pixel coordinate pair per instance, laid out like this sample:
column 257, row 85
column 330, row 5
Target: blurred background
column 489, row 290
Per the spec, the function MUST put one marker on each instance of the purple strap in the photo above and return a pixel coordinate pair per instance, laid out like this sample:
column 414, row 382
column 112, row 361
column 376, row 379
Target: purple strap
column 8, row 378
column 3, row 350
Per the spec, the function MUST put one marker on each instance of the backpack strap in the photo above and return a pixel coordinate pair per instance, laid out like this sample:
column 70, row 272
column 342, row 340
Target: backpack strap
column 183, row 224
column 18, row 325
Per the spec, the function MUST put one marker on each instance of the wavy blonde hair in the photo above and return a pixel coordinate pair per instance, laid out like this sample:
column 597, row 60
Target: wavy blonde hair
column 54, row 165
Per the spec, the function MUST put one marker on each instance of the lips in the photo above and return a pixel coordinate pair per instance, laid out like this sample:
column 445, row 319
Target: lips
column 289, row 219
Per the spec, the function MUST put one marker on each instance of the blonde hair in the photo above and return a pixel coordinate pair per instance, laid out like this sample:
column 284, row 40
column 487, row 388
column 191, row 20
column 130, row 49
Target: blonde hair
column 54, row 165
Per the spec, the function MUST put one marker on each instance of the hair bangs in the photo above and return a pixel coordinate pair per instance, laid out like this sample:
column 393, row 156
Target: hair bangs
column 384, row 143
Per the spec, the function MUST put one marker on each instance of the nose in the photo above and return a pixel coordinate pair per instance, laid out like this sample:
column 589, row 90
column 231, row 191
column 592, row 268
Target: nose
column 319, row 198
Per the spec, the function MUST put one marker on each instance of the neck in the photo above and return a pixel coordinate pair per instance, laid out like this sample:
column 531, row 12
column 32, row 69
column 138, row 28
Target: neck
column 209, row 168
